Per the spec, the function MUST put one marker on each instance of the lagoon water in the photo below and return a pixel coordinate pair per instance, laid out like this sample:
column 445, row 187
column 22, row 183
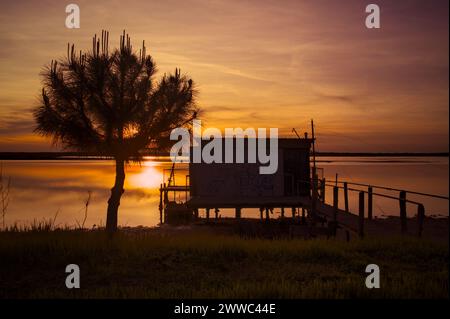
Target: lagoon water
column 58, row 189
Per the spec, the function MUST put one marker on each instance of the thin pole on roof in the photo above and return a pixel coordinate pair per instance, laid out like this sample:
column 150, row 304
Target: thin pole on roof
column 314, row 182
column 313, row 144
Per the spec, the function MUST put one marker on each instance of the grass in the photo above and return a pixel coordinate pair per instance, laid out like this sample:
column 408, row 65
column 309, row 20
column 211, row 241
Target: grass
column 198, row 265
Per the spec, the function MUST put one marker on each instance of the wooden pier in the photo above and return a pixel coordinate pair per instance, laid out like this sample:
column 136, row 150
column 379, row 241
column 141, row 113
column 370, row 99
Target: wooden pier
column 332, row 217
column 295, row 187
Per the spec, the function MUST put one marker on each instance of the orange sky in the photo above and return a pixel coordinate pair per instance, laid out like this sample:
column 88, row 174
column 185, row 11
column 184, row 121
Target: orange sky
column 259, row 64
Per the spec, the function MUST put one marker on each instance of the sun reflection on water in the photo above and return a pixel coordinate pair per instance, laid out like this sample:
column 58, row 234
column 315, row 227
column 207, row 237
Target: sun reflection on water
column 148, row 176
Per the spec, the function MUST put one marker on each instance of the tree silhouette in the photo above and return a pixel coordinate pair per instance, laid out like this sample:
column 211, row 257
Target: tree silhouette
column 108, row 103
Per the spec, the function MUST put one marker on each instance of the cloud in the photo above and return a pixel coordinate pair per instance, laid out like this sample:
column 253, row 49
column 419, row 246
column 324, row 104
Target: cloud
column 16, row 127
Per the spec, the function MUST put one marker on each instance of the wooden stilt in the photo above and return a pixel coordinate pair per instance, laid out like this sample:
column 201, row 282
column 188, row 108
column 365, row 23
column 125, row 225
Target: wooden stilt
column 160, row 204
column 238, row 213
column 336, row 207
column 402, row 202
column 361, row 215
column 216, row 213
column 346, row 196
column 420, row 219
column 323, row 189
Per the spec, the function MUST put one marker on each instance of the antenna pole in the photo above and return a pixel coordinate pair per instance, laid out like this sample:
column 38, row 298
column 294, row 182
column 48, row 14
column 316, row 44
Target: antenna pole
column 314, row 175
column 313, row 145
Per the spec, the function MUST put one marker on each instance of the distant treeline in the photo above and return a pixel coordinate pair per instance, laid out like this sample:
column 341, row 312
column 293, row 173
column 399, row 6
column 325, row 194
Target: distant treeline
column 81, row 156
column 442, row 154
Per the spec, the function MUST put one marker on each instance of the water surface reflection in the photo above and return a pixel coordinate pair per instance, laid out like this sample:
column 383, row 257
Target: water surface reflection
column 42, row 188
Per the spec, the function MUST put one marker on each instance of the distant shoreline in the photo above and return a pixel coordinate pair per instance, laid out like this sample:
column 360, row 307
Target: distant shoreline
column 91, row 156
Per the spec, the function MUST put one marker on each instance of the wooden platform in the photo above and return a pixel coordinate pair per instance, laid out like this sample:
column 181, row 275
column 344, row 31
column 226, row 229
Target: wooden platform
column 346, row 221
column 248, row 202
column 376, row 227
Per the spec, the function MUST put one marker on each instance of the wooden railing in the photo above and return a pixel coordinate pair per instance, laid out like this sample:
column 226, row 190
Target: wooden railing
column 402, row 199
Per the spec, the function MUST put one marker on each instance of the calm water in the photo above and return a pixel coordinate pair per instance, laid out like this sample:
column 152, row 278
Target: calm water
column 45, row 189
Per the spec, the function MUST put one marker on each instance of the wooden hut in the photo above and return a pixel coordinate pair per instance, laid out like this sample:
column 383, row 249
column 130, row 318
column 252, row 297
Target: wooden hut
column 241, row 185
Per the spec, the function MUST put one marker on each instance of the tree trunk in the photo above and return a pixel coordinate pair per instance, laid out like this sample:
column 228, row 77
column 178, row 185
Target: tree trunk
column 116, row 194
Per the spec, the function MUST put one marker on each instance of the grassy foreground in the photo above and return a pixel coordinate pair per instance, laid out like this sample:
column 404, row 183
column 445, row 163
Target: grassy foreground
column 150, row 265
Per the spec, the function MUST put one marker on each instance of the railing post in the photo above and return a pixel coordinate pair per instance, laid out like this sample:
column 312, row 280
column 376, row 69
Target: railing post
column 282, row 212
column 160, row 204
column 346, row 196
column 216, row 213
column 323, row 189
column 402, row 202
column 261, row 210
column 420, row 218
column 166, row 195
column 336, row 207
column 369, row 203
column 238, row 212
column 361, row 215
column 335, row 202
column 313, row 208
column 196, row 213
column 313, row 195
column 293, row 212
column 207, row 214
column 165, row 201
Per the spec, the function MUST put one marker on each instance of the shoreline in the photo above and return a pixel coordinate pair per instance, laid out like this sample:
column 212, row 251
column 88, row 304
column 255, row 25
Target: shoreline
column 92, row 156
column 435, row 229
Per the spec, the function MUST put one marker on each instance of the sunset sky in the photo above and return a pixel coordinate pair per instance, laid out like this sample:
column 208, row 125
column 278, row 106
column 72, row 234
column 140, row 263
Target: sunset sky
column 257, row 64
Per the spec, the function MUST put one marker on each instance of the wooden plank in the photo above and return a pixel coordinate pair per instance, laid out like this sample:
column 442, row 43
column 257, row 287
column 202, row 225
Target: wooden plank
column 375, row 227
column 346, row 220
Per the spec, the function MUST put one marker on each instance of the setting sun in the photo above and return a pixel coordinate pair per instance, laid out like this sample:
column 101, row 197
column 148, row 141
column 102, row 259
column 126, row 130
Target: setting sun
column 148, row 177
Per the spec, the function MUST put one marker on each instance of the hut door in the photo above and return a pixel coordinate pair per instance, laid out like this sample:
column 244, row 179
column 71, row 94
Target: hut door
column 295, row 163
